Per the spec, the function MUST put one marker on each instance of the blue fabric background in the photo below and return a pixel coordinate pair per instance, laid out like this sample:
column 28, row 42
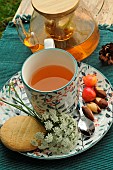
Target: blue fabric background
column 100, row 157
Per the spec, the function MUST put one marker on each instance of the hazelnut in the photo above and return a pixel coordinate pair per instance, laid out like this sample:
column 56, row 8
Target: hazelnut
column 88, row 113
column 94, row 107
column 100, row 92
column 102, row 103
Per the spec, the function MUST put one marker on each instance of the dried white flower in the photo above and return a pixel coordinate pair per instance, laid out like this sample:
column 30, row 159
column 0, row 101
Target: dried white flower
column 34, row 142
column 44, row 145
column 67, row 132
column 65, row 142
column 59, row 139
column 48, row 125
column 62, row 133
column 63, row 126
column 57, row 131
column 54, row 118
column 49, row 138
column 45, row 116
column 39, row 136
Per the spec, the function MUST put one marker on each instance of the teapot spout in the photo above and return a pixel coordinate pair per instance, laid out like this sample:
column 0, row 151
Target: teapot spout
column 29, row 39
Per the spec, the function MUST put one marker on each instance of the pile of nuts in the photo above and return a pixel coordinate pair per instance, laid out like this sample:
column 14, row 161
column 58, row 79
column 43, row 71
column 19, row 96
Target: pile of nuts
column 94, row 97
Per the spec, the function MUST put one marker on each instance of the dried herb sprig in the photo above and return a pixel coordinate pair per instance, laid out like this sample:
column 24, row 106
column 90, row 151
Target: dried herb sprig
column 20, row 105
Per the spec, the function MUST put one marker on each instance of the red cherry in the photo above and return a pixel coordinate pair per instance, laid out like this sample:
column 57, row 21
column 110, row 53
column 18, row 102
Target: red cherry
column 90, row 80
column 88, row 94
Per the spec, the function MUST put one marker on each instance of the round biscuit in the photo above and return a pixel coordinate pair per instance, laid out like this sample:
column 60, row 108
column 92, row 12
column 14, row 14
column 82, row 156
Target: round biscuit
column 17, row 133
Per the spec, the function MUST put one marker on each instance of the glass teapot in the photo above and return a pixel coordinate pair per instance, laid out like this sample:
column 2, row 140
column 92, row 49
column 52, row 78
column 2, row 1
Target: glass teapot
column 68, row 22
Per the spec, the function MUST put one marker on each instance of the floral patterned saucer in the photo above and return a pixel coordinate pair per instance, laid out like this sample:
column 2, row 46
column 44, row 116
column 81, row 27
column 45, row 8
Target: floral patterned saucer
column 103, row 120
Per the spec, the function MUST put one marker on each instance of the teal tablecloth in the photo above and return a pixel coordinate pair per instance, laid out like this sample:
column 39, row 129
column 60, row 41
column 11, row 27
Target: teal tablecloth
column 100, row 157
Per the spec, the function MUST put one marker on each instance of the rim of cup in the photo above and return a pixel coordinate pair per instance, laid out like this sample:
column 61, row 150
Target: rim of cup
column 35, row 90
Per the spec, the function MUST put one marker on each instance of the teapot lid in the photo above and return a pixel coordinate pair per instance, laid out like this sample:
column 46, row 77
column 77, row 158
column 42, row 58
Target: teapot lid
column 54, row 8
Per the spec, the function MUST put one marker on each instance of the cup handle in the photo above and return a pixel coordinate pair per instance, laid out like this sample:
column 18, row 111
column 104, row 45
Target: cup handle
column 49, row 43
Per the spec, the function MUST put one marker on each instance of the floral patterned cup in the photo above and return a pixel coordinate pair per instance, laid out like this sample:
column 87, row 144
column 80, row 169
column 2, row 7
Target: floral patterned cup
column 64, row 99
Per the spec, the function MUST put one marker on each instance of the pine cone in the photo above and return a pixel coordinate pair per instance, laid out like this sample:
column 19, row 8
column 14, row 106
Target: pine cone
column 106, row 54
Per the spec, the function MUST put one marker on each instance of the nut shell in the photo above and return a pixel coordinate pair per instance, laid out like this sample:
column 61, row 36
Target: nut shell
column 102, row 103
column 100, row 92
column 88, row 113
column 94, row 107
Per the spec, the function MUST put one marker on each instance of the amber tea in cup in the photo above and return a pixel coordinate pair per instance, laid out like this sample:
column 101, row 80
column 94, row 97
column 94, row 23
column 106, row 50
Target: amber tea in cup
column 50, row 78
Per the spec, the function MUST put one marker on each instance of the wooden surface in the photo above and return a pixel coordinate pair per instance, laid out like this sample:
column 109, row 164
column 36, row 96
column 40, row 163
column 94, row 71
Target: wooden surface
column 102, row 10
